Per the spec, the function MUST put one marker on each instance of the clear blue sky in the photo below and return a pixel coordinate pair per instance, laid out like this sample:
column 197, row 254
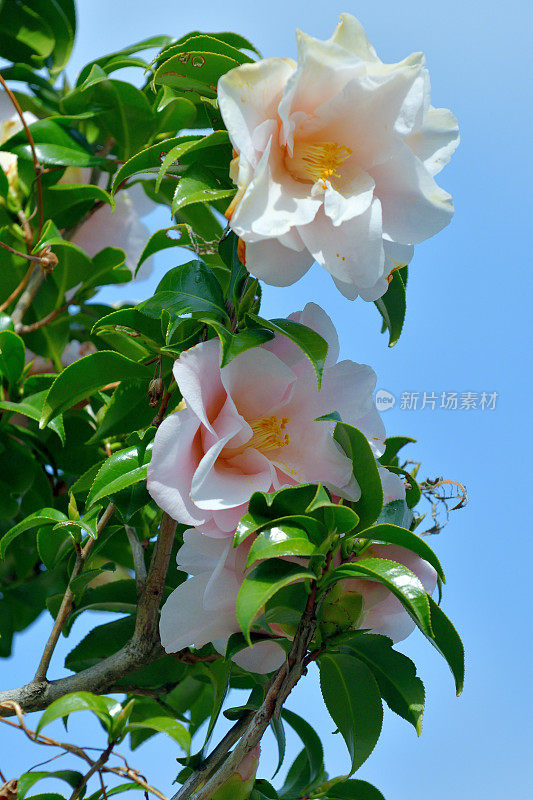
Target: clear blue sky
column 469, row 316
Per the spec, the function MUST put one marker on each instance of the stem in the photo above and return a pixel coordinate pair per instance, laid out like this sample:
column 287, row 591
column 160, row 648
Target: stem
column 146, row 626
column 137, row 552
column 40, row 323
column 68, row 598
column 36, row 164
column 15, row 293
column 26, row 298
column 95, row 767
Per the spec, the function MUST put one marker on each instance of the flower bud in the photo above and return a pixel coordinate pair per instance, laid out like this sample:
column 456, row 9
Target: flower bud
column 241, row 783
column 155, row 391
column 48, row 260
column 342, row 609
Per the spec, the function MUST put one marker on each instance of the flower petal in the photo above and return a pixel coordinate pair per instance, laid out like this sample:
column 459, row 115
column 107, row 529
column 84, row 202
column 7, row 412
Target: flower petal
column 437, row 139
column 257, row 381
column 197, row 373
column 414, row 207
column 175, row 456
column 261, row 658
column 224, row 483
column 351, row 252
column 276, row 264
column 350, row 34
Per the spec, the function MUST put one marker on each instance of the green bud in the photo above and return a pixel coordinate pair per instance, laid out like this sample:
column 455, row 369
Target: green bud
column 239, row 786
column 341, row 610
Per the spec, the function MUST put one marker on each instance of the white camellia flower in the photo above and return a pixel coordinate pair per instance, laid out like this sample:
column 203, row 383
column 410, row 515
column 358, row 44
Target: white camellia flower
column 335, row 158
column 122, row 227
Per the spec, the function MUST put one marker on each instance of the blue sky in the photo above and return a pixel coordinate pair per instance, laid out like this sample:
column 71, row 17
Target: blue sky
column 467, row 328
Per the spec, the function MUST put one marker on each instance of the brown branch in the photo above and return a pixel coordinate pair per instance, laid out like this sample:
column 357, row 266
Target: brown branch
column 15, row 293
column 22, row 329
column 36, row 164
column 137, row 553
column 26, row 298
column 68, row 598
column 96, row 767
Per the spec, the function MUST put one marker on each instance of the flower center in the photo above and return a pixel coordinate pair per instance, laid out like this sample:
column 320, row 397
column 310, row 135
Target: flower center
column 268, row 433
column 318, row 161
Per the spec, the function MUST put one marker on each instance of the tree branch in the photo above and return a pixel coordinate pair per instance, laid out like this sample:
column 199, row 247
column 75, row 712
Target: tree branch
column 143, row 647
column 68, row 598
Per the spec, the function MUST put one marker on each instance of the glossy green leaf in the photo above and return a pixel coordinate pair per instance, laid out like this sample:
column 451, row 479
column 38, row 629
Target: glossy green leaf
column 233, row 344
column 277, row 542
column 195, row 70
column 67, row 203
column 32, row 406
column 86, row 376
column 395, row 674
column 397, row 578
column 392, row 534
column 276, row 726
column 189, row 288
column 392, row 307
column 175, row 236
column 103, row 707
column 46, row 516
column 308, row 340
column 130, row 320
column 354, row 790
column 396, row 513
column 448, row 642
column 412, row 489
column 122, row 469
column 393, row 444
column 199, row 185
column 148, row 162
column 263, row 582
column 110, row 60
column 166, row 725
column 365, row 470
column 53, row 145
column 353, row 700
column 28, row 779
column 12, row 357
column 311, row 741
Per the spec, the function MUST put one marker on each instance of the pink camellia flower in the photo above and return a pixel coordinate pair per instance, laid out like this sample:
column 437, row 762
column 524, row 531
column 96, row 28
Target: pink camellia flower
column 335, row 158
column 203, row 609
column 251, row 426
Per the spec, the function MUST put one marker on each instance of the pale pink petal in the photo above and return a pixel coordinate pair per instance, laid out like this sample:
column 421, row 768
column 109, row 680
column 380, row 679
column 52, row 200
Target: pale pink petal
column 349, row 196
column 276, row 264
column 184, row 621
column 351, row 252
column 274, row 202
column 257, row 381
column 414, row 207
column 224, row 483
column 250, row 94
column 314, row 317
column 262, row 657
column 393, row 486
column 175, row 457
column 197, row 373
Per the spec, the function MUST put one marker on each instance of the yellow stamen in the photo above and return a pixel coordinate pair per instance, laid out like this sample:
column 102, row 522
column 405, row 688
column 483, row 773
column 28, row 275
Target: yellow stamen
column 268, row 433
column 318, row 161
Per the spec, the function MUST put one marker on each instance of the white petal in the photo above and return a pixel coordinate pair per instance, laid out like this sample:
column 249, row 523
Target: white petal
column 249, row 95
column 414, row 207
column 348, row 198
column 275, row 264
column 274, row 202
column 350, row 34
column 351, row 252
column 197, row 373
column 435, row 142
column 262, row 657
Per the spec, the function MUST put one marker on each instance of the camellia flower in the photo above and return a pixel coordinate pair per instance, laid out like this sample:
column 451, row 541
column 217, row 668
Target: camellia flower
column 122, row 227
column 334, row 161
column 251, row 426
column 203, row 609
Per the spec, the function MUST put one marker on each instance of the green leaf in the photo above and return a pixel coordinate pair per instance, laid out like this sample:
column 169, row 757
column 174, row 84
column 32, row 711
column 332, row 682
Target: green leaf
column 392, row 307
column 392, row 445
column 100, row 642
column 308, row 340
column 166, row 725
column 131, row 320
column 263, row 582
column 127, row 410
column 392, row 534
column 189, row 288
column 195, row 70
column 365, row 470
column 353, row 700
column 395, row 674
column 109, row 61
column 276, row 542
column 199, row 185
column 233, row 344
column 46, row 516
column 103, row 707
column 53, row 145
column 354, row 790
column 175, row 236
column 412, row 489
column 121, row 470
column 28, row 779
column 86, row 376
column 148, row 161
column 398, row 579
column 276, row 726
column 12, row 357
column 311, row 741
column 67, row 202
column 448, row 642
column 396, row 513
column 32, row 407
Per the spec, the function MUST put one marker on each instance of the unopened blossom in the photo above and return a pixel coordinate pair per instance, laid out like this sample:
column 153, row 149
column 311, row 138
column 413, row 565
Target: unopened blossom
column 203, row 608
column 240, row 784
column 335, row 157
column 252, row 426
column 122, row 227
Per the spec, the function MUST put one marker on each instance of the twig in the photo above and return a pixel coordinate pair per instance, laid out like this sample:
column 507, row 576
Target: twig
column 22, row 329
column 36, row 164
column 158, row 419
column 95, row 768
column 26, row 298
column 15, row 293
column 137, row 552
column 68, row 598
column 143, row 647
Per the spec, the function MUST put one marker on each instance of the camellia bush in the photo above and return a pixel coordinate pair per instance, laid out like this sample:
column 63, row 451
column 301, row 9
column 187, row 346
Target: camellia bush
column 220, row 483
